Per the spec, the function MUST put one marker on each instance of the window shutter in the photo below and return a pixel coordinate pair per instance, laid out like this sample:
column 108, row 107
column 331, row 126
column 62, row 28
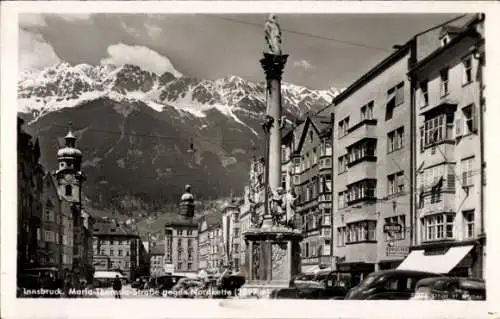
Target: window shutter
column 474, row 118
column 458, row 127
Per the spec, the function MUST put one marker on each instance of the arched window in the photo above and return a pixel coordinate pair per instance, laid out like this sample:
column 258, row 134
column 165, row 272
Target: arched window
column 67, row 190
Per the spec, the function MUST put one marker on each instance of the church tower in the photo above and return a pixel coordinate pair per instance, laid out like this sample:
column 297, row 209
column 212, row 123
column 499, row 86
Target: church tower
column 69, row 175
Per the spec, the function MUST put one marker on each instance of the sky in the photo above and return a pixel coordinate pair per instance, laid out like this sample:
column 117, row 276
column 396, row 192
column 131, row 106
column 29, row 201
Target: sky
column 325, row 51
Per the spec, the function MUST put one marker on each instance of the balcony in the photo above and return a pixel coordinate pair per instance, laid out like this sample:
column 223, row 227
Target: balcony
column 363, row 170
column 443, row 201
column 325, row 198
column 443, row 106
column 325, row 163
column 365, row 128
column 326, row 232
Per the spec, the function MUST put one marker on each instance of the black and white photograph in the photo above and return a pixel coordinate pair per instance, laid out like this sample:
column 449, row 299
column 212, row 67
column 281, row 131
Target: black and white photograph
column 249, row 156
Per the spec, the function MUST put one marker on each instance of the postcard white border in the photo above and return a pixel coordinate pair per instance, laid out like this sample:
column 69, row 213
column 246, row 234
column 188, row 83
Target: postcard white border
column 98, row 308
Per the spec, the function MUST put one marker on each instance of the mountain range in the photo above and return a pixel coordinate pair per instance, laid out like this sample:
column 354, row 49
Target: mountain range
column 145, row 135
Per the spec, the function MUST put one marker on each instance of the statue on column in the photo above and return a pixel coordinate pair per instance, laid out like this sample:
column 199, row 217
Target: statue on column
column 276, row 206
column 273, row 35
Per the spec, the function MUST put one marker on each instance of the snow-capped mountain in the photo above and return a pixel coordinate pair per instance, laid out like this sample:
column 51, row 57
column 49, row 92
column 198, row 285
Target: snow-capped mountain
column 62, row 86
column 135, row 127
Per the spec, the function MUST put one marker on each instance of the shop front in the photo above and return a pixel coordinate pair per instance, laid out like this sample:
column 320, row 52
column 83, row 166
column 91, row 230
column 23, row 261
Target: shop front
column 464, row 259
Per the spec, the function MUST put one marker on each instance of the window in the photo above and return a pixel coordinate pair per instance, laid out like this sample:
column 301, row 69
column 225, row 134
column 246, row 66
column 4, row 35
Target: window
column 444, row 82
column 296, row 165
column 367, row 111
column 424, row 94
column 190, row 266
column 190, row 232
column 179, row 265
column 310, row 136
column 343, row 163
column 401, row 220
column 111, row 241
column 396, row 183
column 467, row 171
column 362, row 190
column 67, row 190
column 469, row 223
column 120, row 252
column 364, row 148
column 438, row 227
column 395, row 139
column 342, row 199
column 111, row 252
column 314, row 156
column 361, row 231
column 283, row 180
column 470, row 118
column 437, row 129
column 467, row 66
column 283, row 153
column 343, row 127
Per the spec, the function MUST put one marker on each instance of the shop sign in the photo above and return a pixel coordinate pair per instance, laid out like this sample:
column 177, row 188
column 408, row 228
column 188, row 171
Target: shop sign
column 392, row 228
column 398, row 251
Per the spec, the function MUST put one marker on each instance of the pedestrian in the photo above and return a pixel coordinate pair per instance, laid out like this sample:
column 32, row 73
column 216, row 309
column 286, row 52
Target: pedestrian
column 117, row 287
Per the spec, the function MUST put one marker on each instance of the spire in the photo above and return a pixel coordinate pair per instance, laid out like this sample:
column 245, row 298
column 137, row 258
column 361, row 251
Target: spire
column 70, row 138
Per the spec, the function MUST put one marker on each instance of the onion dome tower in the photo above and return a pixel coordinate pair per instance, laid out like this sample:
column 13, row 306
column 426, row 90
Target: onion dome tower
column 69, row 175
column 187, row 204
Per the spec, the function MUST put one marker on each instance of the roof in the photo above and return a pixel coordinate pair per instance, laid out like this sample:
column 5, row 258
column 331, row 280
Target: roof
column 322, row 123
column 212, row 219
column 469, row 32
column 102, row 228
column 373, row 72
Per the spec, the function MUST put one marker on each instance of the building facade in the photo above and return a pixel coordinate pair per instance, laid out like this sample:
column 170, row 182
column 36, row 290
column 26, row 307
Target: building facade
column 117, row 247
column 52, row 228
column 371, row 167
column 181, row 238
column 308, row 171
column 210, row 252
column 450, row 180
column 231, row 235
column 29, row 203
column 157, row 261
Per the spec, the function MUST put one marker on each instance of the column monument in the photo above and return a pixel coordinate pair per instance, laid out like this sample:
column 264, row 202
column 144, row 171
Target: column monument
column 273, row 246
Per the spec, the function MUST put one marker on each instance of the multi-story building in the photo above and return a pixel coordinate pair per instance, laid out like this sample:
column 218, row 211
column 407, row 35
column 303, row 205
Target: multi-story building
column 449, row 157
column 210, row 252
column 52, row 228
column 309, row 150
column 30, row 183
column 372, row 156
column 157, row 261
column 181, row 238
column 122, row 247
column 231, row 235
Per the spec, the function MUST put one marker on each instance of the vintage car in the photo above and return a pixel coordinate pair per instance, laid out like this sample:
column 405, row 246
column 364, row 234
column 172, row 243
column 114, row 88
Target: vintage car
column 450, row 288
column 391, row 284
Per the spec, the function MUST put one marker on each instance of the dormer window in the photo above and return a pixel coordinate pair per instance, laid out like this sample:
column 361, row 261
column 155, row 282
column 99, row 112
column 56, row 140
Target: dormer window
column 445, row 40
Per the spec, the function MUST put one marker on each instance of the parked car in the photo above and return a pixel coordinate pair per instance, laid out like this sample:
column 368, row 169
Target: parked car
column 187, row 288
column 450, row 288
column 388, row 285
column 321, row 285
column 163, row 283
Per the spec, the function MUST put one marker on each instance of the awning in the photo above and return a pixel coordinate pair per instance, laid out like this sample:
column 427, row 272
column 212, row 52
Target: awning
column 440, row 264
